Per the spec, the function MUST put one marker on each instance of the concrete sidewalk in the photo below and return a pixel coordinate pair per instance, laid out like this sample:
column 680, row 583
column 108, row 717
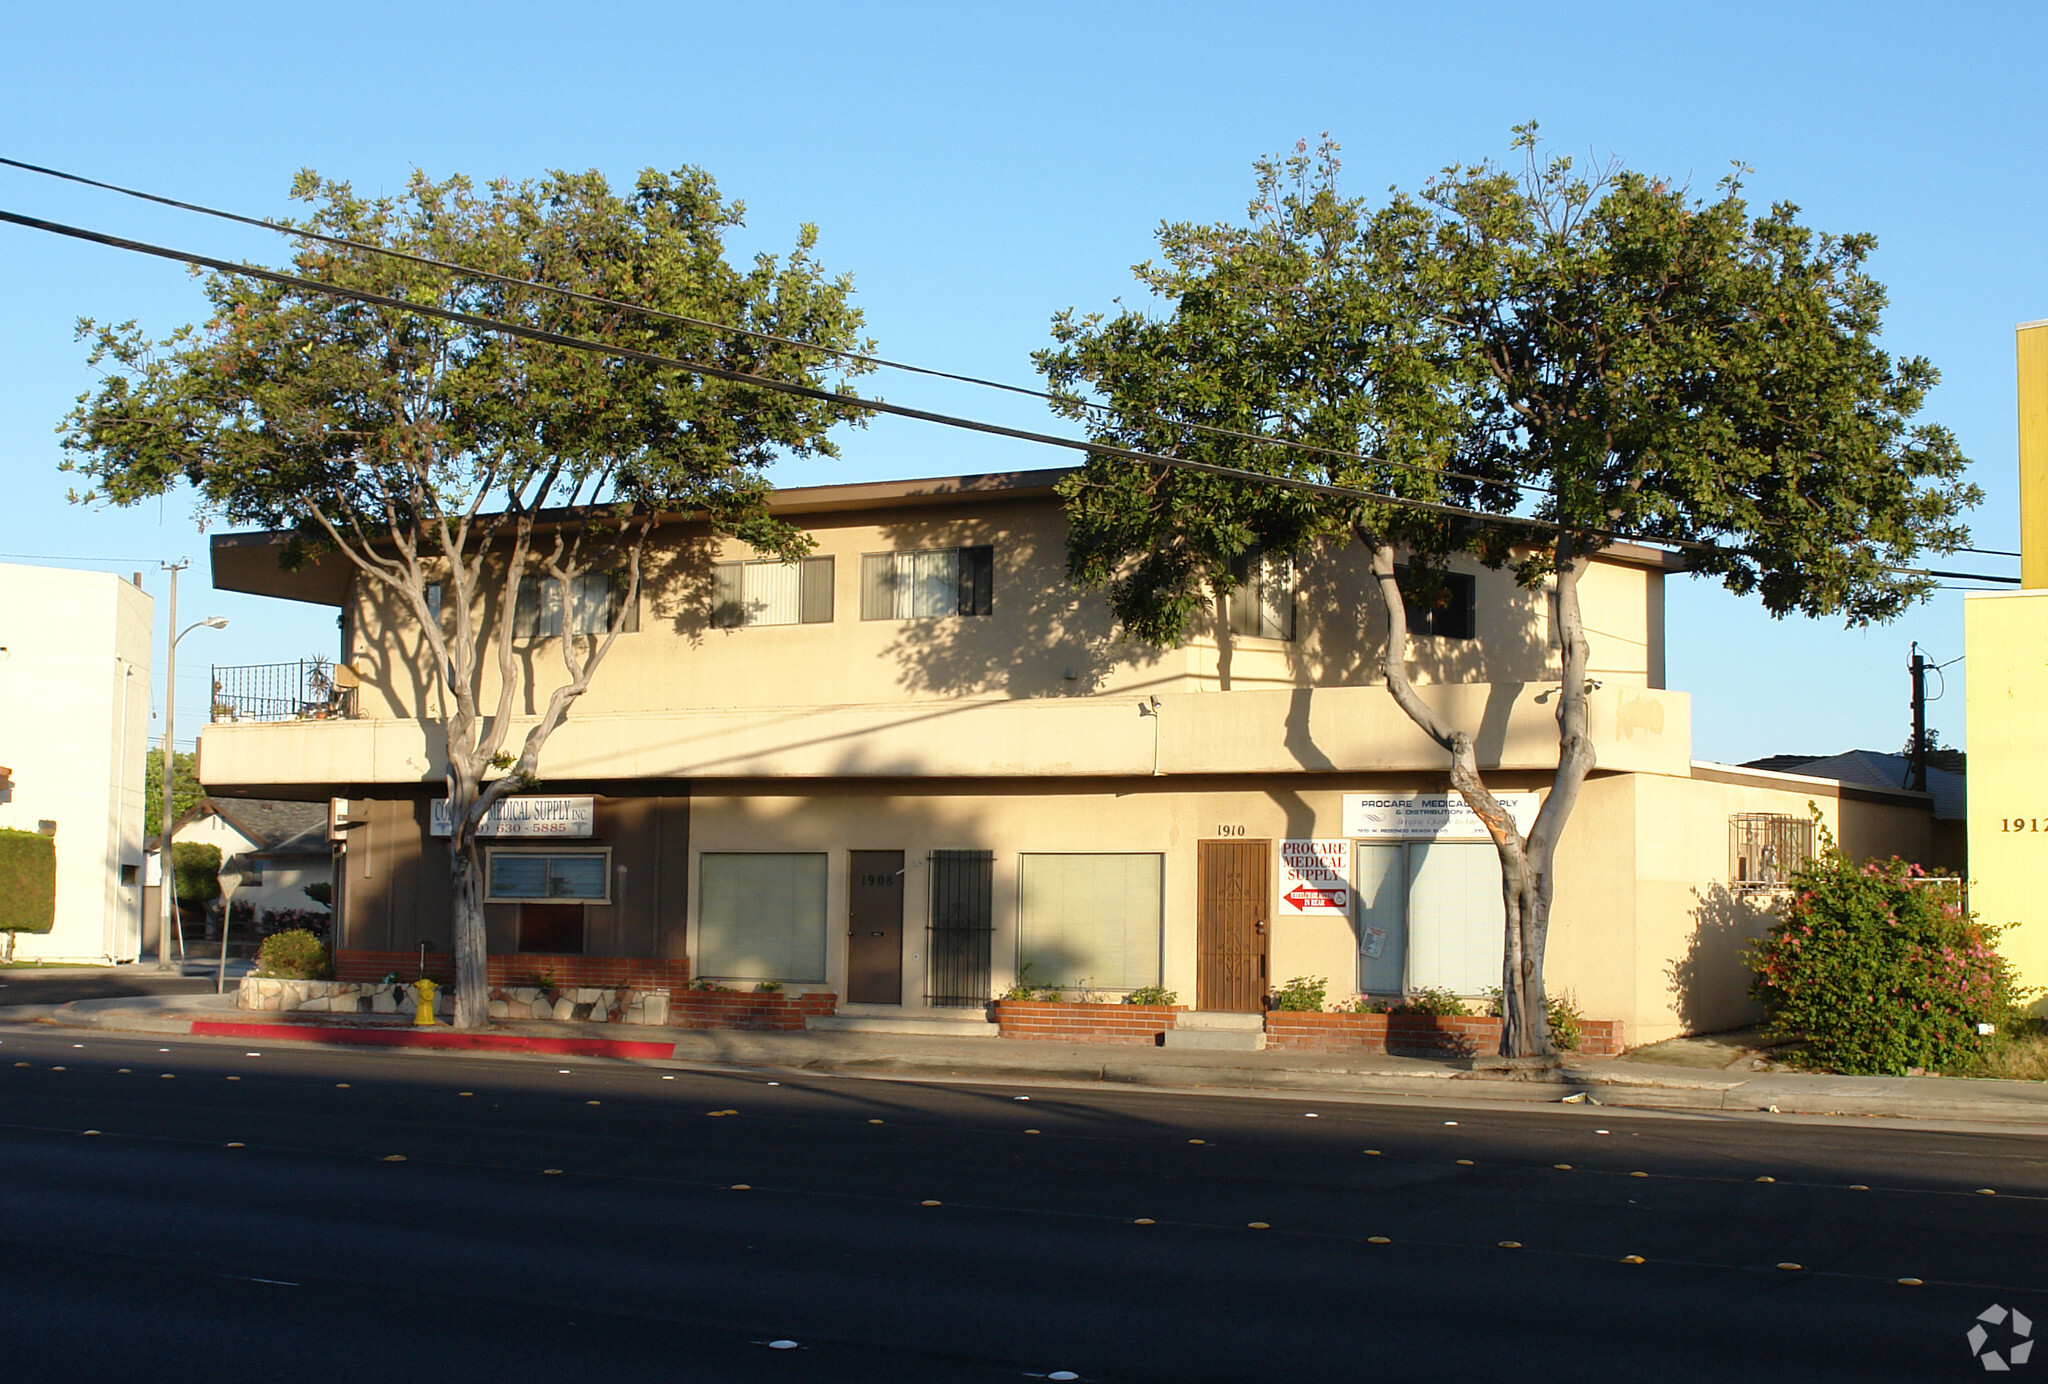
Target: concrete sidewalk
column 1604, row 1081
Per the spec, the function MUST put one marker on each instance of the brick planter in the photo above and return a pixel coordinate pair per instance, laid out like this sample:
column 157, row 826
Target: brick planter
column 1142, row 1025
column 1424, row 1034
column 750, row 1010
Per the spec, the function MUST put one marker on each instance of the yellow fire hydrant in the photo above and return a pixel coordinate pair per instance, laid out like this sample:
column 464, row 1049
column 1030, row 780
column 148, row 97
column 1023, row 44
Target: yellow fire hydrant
column 425, row 1017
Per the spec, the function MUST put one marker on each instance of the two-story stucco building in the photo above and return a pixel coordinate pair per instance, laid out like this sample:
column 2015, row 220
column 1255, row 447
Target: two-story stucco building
column 920, row 765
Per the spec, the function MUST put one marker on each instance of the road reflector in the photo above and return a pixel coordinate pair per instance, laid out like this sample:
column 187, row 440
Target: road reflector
column 1767, row 1179
column 394, row 1158
column 552, row 1172
column 341, row 1085
column 1987, row 1191
column 1374, row 1152
column 1790, row 1267
column 1310, row 1115
column 1562, row 1167
column 1144, row 1220
column 1198, row 1141
column 1510, row 1244
column 21, row 1064
column 721, row 1112
column 1910, row 1283
column 170, row 1076
column 1257, row 1225
column 929, row 1203
column 1378, row 1240
column 465, row 1093
column 1031, row 1131
column 1632, row 1259
column 1450, row 1122
column 782, row 1345
column 60, row 1069
column 234, row 1078
column 237, row 1144
column 92, row 1131
column 1858, row 1187
column 741, row 1187
column 1638, row 1174
column 1464, row 1162
column 599, row 1102
column 124, row 1071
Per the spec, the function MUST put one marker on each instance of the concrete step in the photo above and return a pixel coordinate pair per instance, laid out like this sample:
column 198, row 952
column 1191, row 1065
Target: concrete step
column 1216, row 1020
column 923, row 1023
column 1215, row 1039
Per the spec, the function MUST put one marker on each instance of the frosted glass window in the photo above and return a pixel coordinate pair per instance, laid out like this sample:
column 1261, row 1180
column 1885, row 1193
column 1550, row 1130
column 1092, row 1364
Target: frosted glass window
column 761, row 916
column 1090, row 920
column 1379, row 894
column 1455, row 927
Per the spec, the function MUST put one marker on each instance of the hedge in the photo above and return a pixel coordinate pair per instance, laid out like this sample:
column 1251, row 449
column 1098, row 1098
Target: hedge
column 28, row 881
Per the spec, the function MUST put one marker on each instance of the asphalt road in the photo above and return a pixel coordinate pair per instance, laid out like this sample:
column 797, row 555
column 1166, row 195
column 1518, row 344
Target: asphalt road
column 63, row 984
column 175, row 1210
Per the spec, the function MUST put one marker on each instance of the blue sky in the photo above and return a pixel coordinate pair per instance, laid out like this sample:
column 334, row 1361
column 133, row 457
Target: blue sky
column 979, row 167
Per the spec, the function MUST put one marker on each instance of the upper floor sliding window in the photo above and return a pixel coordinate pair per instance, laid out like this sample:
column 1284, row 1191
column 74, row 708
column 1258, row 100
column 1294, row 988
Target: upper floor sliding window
column 1262, row 602
column 931, row 581
column 771, row 593
column 1449, row 609
column 594, row 601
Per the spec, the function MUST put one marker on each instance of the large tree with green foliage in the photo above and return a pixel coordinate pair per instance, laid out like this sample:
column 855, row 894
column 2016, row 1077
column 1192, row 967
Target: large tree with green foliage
column 185, row 789
column 428, row 452
column 1520, row 366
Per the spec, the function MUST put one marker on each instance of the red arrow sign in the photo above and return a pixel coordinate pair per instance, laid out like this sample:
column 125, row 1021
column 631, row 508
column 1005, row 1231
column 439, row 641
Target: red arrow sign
column 1303, row 897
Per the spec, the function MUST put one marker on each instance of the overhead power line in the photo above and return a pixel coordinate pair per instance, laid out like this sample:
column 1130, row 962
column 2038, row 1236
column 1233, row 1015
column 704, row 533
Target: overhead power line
column 576, row 295
column 859, row 402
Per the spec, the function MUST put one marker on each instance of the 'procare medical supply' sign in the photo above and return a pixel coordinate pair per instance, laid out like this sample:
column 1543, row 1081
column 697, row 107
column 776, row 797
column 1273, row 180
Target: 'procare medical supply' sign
column 1428, row 816
column 526, row 817
column 1315, row 877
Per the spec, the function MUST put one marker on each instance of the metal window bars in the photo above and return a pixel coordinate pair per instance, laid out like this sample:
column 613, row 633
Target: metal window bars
column 1764, row 848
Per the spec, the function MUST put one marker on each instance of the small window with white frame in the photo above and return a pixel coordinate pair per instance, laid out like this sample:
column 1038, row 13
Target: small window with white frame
column 523, row 875
column 1262, row 603
column 769, row 592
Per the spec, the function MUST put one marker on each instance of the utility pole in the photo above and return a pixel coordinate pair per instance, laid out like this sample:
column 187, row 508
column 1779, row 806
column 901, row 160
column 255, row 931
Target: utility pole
column 1916, row 763
column 168, row 887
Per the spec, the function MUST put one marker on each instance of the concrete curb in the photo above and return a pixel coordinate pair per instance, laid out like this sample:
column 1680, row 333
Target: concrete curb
column 1905, row 1098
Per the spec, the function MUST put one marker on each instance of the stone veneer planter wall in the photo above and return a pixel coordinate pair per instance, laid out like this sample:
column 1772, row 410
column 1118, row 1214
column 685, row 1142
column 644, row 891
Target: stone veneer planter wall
column 1300, row 1031
column 583, row 1005
column 1078, row 1022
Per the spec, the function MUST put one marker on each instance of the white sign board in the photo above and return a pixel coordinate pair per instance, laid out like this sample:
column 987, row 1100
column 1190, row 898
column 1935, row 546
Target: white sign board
column 1428, row 816
column 526, row 817
column 1315, row 877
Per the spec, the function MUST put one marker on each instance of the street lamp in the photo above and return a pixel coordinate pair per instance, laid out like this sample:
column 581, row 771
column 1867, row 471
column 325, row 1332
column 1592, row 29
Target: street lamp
column 168, row 887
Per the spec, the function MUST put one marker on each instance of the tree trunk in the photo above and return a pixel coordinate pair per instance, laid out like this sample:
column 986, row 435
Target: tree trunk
column 465, row 864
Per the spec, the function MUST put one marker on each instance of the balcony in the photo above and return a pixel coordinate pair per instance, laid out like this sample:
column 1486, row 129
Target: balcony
column 310, row 689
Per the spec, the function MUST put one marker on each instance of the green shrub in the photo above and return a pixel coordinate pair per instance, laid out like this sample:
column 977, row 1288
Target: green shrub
column 1151, row 994
column 1877, row 968
column 320, row 893
column 28, row 881
column 293, row 955
column 1303, row 993
column 1430, row 1000
column 276, row 920
column 195, row 871
column 1562, row 1010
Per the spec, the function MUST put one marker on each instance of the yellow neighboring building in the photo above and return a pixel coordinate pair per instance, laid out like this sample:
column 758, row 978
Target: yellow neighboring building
column 2005, row 636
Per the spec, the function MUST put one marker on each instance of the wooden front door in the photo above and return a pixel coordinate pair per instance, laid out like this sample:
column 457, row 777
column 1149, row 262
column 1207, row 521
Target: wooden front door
column 1233, row 889
column 874, row 928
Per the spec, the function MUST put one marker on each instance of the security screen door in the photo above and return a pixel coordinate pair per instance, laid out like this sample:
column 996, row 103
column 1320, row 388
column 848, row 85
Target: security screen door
column 874, row 928
column 1232, row 886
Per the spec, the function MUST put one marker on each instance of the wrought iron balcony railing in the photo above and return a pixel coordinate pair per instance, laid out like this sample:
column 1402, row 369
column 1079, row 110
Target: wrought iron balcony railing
column 310, row 689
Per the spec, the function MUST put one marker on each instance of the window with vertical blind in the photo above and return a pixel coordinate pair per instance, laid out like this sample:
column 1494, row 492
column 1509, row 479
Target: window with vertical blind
column 772, row 593
column 925, row 583
column 594, row 599
column 1262, row 602
column 1428, row 916
column 761, row 916
column 1090, row 920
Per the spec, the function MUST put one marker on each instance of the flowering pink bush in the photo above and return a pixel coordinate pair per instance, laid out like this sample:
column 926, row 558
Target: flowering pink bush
column 1879, row 967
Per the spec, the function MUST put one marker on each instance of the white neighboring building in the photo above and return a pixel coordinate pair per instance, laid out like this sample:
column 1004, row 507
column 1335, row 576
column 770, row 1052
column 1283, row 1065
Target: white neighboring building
column 74, row 726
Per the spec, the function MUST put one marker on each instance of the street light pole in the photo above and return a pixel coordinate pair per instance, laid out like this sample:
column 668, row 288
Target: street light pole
column 166, row 888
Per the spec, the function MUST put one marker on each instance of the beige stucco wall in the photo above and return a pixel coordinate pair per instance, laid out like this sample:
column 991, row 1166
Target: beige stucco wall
column 2006, row 638
column 1040, row 630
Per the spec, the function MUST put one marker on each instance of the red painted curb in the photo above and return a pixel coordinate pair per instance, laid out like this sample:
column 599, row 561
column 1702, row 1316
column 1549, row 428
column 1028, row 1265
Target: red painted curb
column 437, row 1038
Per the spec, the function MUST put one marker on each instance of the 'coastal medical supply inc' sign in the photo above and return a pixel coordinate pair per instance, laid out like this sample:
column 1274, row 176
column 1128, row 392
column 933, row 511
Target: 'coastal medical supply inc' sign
column 1315, row 877
column 526, row 817
column 1428, row 816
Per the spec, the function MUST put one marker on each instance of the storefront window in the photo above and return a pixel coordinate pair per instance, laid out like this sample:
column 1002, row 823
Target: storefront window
column 761, row 916
column 1090, row 921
